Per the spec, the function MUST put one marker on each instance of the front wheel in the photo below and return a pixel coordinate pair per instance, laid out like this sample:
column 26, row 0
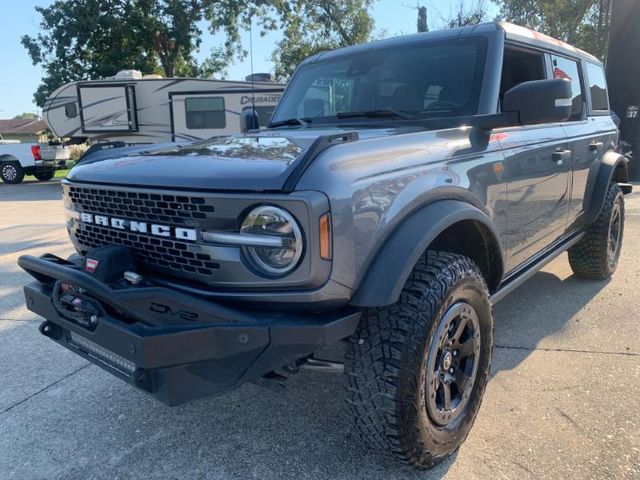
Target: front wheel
column 44, row 175
column 416, row 371
column 596, row 255
column 11, row 172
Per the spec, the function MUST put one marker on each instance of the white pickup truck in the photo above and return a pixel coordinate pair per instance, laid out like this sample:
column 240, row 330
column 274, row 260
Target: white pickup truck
column 40, row 160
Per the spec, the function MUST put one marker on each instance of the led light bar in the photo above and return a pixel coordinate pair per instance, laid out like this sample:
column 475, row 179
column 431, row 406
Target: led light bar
column 101, row 353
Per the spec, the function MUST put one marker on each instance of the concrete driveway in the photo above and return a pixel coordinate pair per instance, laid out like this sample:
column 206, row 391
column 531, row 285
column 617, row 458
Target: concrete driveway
column 563, row 401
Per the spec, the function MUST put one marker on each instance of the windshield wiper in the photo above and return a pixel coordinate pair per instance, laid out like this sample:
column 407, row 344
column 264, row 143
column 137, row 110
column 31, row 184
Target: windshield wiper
column 305, row 121
column 387, row 112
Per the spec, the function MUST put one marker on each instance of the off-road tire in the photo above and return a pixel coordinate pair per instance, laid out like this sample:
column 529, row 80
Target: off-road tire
column 44, row 175
column 386, row 362
column 11, row 172
column 591, row 257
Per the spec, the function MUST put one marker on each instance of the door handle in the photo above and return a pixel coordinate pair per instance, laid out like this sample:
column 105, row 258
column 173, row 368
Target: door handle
column 560, row 155
column 595, row 146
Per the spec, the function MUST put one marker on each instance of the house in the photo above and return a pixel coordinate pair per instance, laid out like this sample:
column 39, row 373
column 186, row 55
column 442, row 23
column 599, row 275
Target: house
column 28, row 130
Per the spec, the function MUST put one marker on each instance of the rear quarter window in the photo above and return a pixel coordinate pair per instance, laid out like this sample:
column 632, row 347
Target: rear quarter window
column 597, row 88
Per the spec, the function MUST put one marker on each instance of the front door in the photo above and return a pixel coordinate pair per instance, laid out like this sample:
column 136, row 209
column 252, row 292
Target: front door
column 538, row 167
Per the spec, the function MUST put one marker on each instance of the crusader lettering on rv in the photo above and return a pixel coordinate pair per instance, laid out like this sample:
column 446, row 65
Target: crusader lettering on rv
column 260, row 99
column 134, row 226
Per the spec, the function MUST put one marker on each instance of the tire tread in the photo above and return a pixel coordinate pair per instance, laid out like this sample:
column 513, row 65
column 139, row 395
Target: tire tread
column 377, row 376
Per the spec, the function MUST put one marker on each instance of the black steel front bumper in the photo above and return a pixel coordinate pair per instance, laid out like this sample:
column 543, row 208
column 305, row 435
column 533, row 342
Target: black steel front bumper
column 176, row 346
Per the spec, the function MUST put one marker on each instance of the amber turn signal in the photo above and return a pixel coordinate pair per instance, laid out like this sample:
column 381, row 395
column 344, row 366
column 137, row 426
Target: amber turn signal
column 325, row 236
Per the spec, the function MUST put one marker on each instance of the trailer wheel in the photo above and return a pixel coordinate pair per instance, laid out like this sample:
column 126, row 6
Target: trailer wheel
column 11, row 172
column 45, row 175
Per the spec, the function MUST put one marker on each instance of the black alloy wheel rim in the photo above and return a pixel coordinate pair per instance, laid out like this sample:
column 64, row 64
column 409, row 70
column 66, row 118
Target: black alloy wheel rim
column 615, row 229
column 452, row 364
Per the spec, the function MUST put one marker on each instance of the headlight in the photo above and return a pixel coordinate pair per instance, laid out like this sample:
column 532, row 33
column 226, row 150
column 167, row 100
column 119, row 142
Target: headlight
column 283, row 244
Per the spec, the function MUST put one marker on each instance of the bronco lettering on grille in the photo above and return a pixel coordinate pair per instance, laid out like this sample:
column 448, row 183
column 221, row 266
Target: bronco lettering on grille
column 178, row 233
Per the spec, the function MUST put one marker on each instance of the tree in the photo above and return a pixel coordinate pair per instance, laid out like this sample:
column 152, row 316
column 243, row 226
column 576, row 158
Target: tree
column 465, row 14
column 320, row 25
column 582, row 23
column 82, row 39
column 26, row 116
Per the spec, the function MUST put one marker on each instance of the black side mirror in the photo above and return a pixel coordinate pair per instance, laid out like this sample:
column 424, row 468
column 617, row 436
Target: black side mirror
column 249, row 120
column 539, row 101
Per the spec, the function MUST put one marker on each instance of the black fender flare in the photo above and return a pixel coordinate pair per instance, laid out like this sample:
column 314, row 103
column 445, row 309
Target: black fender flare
column 389, row 270
column 600, row 175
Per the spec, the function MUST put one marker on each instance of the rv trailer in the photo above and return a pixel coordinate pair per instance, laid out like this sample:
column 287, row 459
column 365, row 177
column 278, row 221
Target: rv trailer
column 132, row 109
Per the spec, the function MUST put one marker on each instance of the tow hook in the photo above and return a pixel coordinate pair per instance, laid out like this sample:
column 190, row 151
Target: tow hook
column 49, row 329
column 142, row 379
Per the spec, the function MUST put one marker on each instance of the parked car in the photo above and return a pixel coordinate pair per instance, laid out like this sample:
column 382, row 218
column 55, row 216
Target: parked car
column 402, row 188
column 40, row 160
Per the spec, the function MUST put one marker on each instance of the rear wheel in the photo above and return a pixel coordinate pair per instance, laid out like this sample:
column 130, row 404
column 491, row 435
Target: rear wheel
column 416, row 371
column 596, row 255
column 11, row 172
column 45, row 175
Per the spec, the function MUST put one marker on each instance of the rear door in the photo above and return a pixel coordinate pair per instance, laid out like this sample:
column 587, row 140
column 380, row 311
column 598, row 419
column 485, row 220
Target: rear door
column 581, row 133
column 592, row 139
column 538, row 167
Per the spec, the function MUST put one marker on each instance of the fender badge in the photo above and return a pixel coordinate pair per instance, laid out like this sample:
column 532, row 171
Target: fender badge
column 90, row 265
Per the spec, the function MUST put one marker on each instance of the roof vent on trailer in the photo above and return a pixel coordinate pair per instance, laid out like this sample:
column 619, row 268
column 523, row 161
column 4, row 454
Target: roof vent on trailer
column 259, row 77
column 128, row 75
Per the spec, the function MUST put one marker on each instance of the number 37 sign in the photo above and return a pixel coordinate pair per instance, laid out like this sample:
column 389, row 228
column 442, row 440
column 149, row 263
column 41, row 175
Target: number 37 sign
column 632, row 111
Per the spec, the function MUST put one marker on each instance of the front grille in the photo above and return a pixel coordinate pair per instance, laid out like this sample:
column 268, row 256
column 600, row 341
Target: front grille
column 154, row 252
column 152, row 207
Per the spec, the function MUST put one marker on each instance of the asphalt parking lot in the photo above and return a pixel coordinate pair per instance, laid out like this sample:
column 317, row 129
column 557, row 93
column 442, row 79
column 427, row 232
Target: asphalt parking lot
column 563, row 400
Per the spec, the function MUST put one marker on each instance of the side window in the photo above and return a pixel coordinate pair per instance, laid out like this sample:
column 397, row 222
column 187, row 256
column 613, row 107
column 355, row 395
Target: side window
column 597, row 87
column 205, row 112
column 520, row 66
column 568, row 69
column 70, row 110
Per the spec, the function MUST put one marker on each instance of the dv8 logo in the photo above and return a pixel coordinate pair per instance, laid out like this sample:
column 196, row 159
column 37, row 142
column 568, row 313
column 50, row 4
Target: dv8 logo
column 166, row 309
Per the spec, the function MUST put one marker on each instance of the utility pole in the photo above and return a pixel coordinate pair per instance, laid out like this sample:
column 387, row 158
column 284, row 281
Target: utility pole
column 422, row 20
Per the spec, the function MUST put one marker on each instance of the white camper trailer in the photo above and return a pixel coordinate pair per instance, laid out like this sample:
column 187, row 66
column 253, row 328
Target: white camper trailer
column 133, row 109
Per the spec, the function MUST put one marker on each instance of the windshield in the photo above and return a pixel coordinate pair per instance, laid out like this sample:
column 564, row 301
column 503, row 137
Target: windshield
column 424, row 80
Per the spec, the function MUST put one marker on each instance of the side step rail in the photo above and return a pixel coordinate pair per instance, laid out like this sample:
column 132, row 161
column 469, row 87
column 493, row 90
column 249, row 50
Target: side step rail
column 514, row 281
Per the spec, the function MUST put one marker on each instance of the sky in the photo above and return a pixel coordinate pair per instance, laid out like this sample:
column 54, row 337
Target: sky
column 20, row 78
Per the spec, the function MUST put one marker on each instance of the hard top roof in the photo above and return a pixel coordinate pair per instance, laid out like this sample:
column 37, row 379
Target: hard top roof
column 511, row 31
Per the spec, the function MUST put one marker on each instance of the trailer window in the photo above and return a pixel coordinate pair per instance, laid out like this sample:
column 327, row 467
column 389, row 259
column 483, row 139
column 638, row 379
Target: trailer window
column 70, row 110
column 568, row 70
column 597, row 88
column 205, row 112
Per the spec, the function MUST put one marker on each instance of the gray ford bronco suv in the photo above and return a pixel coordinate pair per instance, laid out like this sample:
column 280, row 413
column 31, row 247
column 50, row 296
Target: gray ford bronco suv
column 401, row 189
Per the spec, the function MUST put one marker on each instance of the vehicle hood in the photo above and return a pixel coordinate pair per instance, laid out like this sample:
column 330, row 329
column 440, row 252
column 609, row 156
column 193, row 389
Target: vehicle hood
column 261, row 161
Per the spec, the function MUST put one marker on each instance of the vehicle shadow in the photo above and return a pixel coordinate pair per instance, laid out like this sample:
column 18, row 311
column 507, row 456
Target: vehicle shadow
column 538, row 310
column 309, row 425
